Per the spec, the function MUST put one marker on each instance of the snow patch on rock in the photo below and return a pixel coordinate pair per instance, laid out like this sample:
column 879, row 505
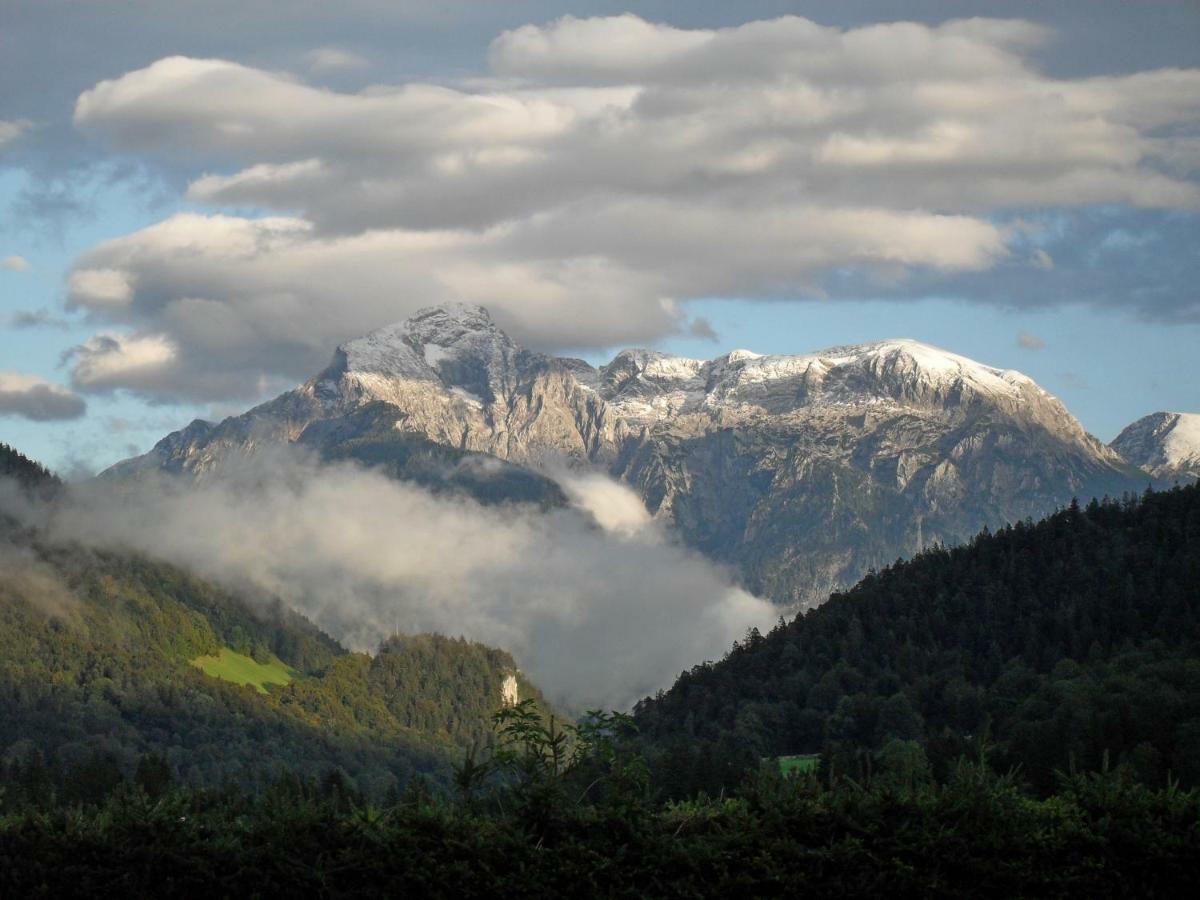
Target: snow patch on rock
column 434, row 354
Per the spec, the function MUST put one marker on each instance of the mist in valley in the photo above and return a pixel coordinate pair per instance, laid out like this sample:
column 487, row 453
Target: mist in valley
column 597, row 602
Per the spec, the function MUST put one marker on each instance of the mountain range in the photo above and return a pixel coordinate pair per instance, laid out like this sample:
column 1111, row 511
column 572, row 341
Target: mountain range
column 802, row 472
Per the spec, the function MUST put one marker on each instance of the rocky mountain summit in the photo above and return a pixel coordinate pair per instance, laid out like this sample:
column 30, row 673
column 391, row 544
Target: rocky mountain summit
column 1165, row 444
column 801, row 471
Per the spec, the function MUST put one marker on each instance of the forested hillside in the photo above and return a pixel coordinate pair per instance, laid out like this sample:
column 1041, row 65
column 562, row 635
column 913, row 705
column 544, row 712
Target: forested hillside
column 1064, row 643
column 18, row 467
column 99, row 671
column 1070, row 643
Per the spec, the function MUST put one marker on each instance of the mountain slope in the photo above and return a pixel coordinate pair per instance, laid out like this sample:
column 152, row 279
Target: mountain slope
column 28, row 476
column 1059, row 642
column 443, row 399
column 802, row 471
column 1165, row 444
column 807, row 471
column 98, row 654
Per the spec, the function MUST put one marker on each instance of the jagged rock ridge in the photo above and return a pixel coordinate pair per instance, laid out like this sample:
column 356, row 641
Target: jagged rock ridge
column 802, row 471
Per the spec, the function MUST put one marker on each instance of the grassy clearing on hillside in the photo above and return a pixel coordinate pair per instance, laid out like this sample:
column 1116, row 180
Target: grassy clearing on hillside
column 805, row 762
column 240, row 669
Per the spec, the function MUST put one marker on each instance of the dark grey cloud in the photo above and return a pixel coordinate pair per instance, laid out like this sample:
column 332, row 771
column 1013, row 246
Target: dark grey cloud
column 1140, row 262
column 34, row 398
column 701, row 328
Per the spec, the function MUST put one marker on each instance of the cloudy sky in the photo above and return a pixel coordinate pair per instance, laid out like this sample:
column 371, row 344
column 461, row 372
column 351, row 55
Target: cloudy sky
column 198, row 201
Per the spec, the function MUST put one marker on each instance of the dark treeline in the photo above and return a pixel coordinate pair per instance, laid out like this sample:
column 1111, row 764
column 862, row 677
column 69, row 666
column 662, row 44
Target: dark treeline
column 553, row 812
column 23, row 470
column 1058, row 644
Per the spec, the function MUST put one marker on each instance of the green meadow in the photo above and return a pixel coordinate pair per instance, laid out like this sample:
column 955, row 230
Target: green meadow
column 805, row 762
column 241, row 669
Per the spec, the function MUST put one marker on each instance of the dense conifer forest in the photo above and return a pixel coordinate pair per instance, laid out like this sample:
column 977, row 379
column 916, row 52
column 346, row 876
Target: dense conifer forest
column 1055, row 645
column 28, row 474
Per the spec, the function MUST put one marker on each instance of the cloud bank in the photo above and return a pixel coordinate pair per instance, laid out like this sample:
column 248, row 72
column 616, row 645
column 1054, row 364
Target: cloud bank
column 605, row 172
column 595, row 617
column 37, row 399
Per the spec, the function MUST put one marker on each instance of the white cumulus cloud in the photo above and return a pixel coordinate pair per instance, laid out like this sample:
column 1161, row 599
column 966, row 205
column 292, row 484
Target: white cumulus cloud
column 111, row 359
column 607, row 171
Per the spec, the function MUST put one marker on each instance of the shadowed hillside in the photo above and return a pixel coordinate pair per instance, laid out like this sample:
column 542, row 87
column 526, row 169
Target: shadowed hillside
column 1057, row 644
column 106, row 658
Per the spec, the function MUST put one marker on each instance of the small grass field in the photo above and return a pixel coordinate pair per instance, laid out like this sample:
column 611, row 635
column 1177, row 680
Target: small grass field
column 240, row 669
column 805, row 762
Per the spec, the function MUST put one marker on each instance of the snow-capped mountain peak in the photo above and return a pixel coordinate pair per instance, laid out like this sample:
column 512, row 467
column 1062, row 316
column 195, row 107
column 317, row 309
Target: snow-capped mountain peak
column 460, row 347
column 907, row 358
column 455, row 344
column 647, row 384
column 1165, row 444
column 736, row 355
column 416, row 347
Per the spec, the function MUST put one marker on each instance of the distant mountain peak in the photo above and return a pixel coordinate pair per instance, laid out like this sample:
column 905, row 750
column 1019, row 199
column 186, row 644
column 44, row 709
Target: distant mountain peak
column 929, row 360
column 1165, row 444
column 428, row 346
column 739, row 354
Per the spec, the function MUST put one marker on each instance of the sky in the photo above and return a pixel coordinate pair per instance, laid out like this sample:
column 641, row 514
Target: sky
column 198, row 201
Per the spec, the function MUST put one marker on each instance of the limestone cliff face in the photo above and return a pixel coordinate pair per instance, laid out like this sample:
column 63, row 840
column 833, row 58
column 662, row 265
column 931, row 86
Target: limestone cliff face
column 801, row 471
